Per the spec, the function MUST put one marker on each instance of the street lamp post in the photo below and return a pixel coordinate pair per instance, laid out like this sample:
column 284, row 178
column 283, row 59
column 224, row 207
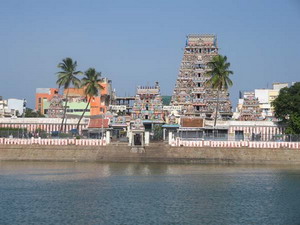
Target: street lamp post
column 102, row 128
column 102, row 118
column 23, row 115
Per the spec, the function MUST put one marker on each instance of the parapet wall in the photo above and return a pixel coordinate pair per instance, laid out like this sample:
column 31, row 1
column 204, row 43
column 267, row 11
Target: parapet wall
column 174, row 143
column 235, row 144
column 59, row 142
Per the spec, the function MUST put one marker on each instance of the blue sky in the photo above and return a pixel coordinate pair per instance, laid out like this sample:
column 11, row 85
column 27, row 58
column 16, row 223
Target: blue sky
column 140, row 42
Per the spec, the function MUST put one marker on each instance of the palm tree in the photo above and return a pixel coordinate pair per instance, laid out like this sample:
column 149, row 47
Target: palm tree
column 66, row 78
column 219, row 77
column 91, row 84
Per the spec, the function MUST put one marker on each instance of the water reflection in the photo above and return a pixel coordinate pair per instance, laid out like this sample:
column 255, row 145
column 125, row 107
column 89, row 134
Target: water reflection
column 77, row 170
column 139, row 193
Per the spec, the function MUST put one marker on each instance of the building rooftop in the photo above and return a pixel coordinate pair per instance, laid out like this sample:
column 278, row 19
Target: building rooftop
column 98, row 123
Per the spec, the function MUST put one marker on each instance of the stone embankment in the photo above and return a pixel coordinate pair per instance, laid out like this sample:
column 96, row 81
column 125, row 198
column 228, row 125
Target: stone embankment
column 155, row 152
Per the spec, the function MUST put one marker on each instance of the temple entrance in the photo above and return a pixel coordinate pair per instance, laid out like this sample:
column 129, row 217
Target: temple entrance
column 137, row 137
column 239, row 135
column 157, row 132
column 137, row 140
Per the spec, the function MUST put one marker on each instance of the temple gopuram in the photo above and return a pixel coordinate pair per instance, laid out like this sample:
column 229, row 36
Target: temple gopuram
column 56, row 108
column 148, row 106
column 190, row 90
column 249, row 109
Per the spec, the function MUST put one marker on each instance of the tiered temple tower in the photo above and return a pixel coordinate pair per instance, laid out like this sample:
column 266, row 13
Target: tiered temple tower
column 250, row 110
column 148, row 104
column 190, row 90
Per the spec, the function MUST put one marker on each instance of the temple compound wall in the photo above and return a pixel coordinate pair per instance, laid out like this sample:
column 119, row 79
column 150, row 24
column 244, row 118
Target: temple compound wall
column 47, row 124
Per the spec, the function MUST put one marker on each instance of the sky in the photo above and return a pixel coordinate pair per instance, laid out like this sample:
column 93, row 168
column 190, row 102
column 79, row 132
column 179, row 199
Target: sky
column 140, row 42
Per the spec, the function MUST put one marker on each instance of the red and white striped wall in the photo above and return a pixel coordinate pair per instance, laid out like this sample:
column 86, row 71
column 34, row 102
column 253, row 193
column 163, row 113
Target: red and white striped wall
column 39, row 141
column 46, row 127
column 235, row 144
column 266, row 131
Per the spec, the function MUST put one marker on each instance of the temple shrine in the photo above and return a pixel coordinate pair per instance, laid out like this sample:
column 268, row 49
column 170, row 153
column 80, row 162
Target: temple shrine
column 148, row 106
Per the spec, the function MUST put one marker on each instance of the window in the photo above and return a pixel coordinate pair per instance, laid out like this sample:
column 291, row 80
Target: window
column 198, row 95
column 199, row 85
column 146, row 117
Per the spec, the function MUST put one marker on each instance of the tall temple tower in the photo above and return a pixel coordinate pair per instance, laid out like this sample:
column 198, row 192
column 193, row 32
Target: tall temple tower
column 190, row 90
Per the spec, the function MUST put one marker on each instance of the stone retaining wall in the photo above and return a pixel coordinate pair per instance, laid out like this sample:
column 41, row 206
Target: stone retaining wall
column 153, row 153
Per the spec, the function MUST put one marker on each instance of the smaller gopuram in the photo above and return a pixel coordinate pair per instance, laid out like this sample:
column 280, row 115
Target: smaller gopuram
column 249, row 109
column 148, row 106
column 55, row 108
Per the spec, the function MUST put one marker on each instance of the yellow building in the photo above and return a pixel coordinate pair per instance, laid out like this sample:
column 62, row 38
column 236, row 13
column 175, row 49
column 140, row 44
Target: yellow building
column 273, row 94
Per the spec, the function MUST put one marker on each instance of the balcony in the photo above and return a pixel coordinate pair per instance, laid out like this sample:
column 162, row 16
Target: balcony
column 185, row 78
column 199, row 79
column 198, row 100
column 197, row 70
column 199, row 90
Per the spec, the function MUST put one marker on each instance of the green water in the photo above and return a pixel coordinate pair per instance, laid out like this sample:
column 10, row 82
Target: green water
column 130, row 193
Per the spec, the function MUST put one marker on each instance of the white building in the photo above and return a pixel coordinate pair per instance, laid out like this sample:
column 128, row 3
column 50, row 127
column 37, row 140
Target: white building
column 4, row 110
column 278, row 86
column 11, row 107
column 16, row 106
column 263, row 97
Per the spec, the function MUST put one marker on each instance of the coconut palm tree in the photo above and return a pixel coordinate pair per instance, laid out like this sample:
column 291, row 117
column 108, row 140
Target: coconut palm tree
column 219, row 77
column 91, row 85
column 66, row 78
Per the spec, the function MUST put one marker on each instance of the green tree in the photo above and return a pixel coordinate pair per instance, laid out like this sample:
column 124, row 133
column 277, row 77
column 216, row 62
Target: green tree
column 218, row 77
column 157, row 132
column 31, row 113
column 287, row 108
column 41, row 133
column 91, row 85
column 66, row 78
